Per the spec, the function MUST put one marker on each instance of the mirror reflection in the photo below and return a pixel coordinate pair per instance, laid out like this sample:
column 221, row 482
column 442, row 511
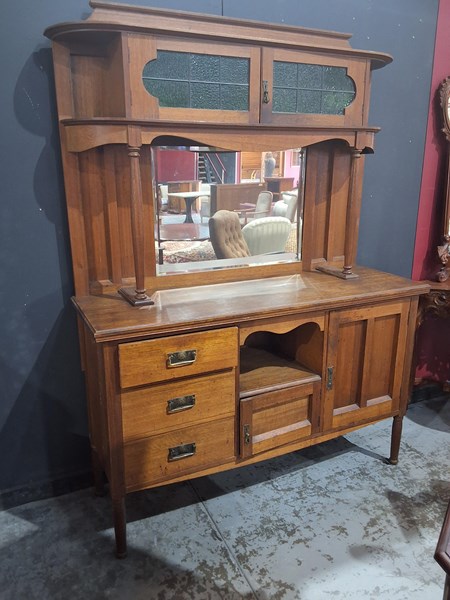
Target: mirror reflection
column 220, row 209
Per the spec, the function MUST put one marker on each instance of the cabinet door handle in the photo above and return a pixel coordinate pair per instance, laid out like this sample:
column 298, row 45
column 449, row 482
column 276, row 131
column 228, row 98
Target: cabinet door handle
column 181, row 359
column 183, row 451
column 330, row 372
column 246, row 434
column 265, row 92
column 175, row 405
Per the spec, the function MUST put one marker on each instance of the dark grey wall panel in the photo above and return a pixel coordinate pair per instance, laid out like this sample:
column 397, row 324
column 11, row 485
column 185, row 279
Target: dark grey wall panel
column 43, row 432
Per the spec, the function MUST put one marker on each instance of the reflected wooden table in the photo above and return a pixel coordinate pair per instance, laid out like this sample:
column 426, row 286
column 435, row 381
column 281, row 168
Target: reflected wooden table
column 189, row 198
column 180, row 232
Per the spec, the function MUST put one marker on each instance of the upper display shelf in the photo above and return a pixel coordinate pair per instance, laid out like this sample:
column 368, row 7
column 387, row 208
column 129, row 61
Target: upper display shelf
column 146, row 64
column 110, row 16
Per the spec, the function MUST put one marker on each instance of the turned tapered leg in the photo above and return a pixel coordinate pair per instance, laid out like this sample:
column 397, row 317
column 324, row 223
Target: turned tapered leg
column 395, row 439
column 120, row 526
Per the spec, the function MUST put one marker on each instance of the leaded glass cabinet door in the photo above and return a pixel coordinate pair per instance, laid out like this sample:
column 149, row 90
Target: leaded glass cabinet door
column 300, row 89
column 182, row 80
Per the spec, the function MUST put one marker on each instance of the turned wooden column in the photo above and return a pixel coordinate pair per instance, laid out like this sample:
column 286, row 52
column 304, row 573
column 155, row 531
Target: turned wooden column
column 352, row 222
column 138, row 295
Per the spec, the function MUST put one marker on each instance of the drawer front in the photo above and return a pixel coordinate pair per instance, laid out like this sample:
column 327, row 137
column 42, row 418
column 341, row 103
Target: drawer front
column 170, row 358
column 150, row 410
column 274, row 419
column 180, row 452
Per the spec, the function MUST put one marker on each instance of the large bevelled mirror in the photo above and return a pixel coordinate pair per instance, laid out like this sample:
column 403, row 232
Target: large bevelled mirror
column 220, row 209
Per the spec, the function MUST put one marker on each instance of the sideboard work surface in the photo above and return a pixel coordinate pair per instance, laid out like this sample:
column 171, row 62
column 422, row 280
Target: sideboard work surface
column 212, row 378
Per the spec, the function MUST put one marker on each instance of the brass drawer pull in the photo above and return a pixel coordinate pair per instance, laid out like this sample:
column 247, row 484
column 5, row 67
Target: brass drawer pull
column 183, row 451
column 181, row 359
column 182, row 403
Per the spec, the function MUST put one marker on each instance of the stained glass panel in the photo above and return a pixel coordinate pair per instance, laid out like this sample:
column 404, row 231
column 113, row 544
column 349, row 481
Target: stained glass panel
column 314, row 89
column 191, row 80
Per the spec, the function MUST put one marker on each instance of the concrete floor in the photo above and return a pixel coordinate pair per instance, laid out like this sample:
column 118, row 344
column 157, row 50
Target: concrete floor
column 334, row 521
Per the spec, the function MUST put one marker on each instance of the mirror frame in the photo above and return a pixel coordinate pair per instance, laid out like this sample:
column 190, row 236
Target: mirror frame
column 444, row 249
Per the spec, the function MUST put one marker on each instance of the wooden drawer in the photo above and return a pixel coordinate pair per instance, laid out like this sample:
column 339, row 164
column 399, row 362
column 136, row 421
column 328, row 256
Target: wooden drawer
column 200, row 446
column 280, row 417
column 150, row 410
column 178, row 356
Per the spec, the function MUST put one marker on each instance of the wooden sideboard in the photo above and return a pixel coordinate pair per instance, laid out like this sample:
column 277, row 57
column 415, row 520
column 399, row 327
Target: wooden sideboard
column 231, row 196
column 276, row 185
column 224, row 379
column 194, row 372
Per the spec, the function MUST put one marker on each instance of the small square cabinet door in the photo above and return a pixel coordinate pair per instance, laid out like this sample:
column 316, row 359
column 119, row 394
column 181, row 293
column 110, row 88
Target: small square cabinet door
column 365, row 363
column 278, row 418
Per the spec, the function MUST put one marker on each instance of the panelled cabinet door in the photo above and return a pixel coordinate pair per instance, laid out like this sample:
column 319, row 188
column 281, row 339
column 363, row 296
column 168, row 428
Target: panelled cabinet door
column 183, row 80
column 301, row 89
column 365, row 361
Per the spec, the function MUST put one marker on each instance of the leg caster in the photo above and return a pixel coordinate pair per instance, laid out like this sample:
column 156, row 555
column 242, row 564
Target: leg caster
column 395, row 439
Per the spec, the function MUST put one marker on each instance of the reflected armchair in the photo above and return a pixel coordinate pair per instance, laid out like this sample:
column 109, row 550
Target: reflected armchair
column 204, row 202
column 226, row 235
column 267, row 235
column 262, row 207
column 287, row 206
column 163, row 189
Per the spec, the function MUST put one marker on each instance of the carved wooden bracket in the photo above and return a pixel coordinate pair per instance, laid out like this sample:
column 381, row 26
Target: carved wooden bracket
column 437, row 303
column 444, row 249
column 444, row 255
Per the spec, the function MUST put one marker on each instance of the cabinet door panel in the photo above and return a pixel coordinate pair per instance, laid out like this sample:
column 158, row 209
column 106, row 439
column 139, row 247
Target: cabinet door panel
column 348, row 367
column 277, row 418
column 379, row 368
column 184, row 80
column 305, row 90
column 365, row 360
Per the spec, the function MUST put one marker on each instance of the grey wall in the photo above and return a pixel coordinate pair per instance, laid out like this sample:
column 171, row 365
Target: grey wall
column 43, row 433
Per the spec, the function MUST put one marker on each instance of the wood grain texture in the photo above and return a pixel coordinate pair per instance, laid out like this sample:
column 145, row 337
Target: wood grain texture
column 109, row 318
column 145, row 410
column 146, row 362
column 271, row 420
column 146, row 461
column 262, row 371
column 366, row 353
